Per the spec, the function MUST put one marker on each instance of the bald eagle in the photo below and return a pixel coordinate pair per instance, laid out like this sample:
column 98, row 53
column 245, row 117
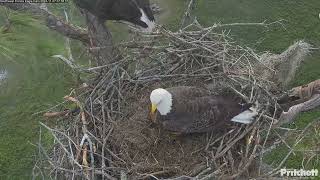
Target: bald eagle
column 186, row 109
column 137, row 12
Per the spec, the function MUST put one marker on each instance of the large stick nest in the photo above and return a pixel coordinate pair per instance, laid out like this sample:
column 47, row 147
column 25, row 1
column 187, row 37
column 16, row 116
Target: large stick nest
column 118, row 140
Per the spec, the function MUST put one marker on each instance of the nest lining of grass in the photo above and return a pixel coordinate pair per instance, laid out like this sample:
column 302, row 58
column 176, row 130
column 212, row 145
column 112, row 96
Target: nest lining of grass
column 112, row 138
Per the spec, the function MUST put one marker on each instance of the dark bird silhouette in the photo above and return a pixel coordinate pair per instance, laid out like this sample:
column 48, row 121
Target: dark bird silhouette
column 137, row 12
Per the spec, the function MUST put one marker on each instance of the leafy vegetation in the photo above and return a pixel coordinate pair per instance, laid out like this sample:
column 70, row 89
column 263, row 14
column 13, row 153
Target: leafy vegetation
column 35, row 82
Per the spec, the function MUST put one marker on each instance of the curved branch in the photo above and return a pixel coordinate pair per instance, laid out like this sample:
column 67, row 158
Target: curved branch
column 53, row 22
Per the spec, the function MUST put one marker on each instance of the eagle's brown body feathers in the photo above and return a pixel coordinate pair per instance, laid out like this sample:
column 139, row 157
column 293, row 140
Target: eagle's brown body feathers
column 196, row 110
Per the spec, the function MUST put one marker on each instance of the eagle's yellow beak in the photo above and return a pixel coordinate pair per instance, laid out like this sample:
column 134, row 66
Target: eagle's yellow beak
column 153, row 112
column 153, row 108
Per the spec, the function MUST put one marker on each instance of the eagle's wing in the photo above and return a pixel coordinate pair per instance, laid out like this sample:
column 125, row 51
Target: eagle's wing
column 201, row 114
column 187, row 92
column 100, row 8
column 212, row 113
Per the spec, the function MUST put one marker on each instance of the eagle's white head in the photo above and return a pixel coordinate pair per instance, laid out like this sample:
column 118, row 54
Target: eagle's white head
column 161, row 100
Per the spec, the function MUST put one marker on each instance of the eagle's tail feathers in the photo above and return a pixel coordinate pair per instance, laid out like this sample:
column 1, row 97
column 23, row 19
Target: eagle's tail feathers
column 246, row 117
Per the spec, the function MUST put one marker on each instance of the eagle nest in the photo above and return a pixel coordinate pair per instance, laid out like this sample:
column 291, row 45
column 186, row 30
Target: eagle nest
column 111, row 137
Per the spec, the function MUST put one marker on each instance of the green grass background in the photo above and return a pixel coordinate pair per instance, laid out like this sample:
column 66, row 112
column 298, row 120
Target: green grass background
column 37, row 81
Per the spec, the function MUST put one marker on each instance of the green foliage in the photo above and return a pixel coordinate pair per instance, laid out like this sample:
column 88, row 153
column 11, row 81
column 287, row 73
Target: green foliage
column 35, row 82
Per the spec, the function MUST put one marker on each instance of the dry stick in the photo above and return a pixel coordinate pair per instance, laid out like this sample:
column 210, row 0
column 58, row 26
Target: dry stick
column 246, row 165
column 49, row 109
column 284, row 142
column 244, row 97
column 254, row 131
column 103, row 165
column 287, row 117
column 266, row 138
column 105, row 174
column 53, row 131
column 186, row 13
column 85, row 136
column 67, row 40
column 212, row 175
column 70, row 147
column 264, row 24
column 231, row 161
column 232, row 143
column 84, row 160
column 34, row 175
column 299, row 139
column 231, row 139
column 248, row 129
column 84, row 130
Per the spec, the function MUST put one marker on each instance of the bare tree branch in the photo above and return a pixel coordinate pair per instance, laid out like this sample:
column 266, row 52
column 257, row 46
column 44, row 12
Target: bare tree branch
column 53, row 22
column 100, row 39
